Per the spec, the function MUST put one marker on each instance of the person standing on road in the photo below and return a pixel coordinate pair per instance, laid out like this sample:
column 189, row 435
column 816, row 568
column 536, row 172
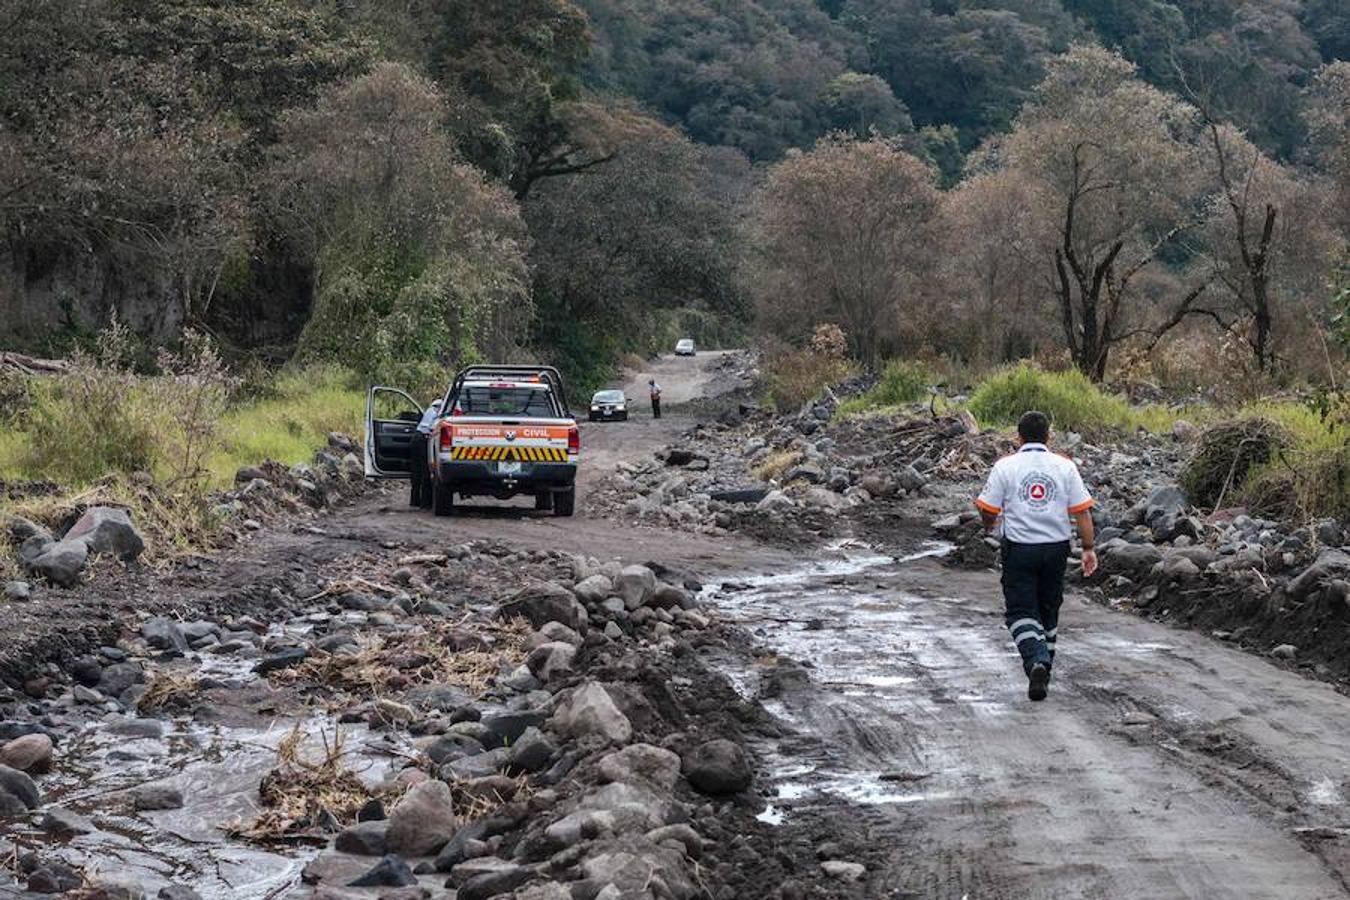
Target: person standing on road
column 417, row 457
column 1036, row 492
column 655, row 390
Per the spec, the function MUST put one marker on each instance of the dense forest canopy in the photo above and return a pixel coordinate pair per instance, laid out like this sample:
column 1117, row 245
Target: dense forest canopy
column 405, row 185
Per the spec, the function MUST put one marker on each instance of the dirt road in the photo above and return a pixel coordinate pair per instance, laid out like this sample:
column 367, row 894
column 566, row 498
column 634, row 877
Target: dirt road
column 1163, row 765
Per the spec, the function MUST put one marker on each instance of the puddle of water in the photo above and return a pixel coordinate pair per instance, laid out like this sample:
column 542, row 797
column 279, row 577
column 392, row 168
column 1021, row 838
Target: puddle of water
column 1325, row 793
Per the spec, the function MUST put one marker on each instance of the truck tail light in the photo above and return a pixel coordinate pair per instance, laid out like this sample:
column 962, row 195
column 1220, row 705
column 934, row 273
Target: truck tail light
column 573, row 441
column 447, row 437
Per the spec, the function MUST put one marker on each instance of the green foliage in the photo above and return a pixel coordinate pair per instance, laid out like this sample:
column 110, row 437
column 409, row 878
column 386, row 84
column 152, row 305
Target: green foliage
column 1072, row 402
column 902, row 382
column 793, row 377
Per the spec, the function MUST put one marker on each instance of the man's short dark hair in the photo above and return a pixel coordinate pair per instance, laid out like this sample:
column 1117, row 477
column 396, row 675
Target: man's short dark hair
column 1034, row 427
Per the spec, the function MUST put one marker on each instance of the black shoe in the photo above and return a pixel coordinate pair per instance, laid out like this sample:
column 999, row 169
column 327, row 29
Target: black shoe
column 1038, row 686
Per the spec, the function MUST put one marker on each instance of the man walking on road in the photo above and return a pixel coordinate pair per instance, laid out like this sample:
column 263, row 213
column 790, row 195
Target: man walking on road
column 417, row 457
column 1036, row 492
column 655, row 390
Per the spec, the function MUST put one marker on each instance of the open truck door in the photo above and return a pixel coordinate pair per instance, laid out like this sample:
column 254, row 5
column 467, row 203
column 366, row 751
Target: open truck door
column 391, row 422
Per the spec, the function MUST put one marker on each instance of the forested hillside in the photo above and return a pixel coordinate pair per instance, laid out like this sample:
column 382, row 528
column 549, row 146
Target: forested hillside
column 400, row 186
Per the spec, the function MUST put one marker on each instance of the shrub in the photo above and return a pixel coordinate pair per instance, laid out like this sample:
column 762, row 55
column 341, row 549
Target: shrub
column 1072, row 402
column 1226, row 453
column 793, row 377
column 902, row 382
column 1309, row 476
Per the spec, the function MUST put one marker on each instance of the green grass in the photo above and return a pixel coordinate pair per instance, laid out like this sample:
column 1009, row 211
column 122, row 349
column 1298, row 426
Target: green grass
column 902, row 382
column 291, row 423
column 1072, row 402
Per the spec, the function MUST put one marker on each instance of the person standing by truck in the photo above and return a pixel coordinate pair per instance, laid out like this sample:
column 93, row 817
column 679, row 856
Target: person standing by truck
column 417, row 457
column 655, row 390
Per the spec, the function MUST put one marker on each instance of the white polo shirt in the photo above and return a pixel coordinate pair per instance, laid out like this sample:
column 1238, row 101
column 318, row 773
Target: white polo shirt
column 1035, row 491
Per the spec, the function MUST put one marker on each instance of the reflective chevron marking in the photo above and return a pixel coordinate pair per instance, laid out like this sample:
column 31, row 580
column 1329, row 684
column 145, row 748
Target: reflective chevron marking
column 520, row 454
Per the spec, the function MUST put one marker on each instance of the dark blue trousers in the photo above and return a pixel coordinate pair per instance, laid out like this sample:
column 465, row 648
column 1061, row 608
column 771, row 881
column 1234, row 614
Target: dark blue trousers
column 1033, row 589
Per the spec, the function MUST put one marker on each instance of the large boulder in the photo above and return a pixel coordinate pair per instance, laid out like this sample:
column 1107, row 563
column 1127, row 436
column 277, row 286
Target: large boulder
column 103, row 529
column 774, row 501
column 591, row 711
column 635, row 585
column 718, row 767
column 423, row 821
column 548, row 661
column 19, row 786
column 28, row 753
column 541, row 602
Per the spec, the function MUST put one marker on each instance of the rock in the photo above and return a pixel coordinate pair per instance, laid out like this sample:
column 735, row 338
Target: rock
column 1164, row 501
column 501, row 880
column 423, row 820
column 531, row 753
column 21, row 529
column 808, row 472
column 249, row 473
column 116, row 678
column 105, row 530
column 439, row 697
column 1131, row 560
column 61, row 562
column 19, row 785
column 681, row 834
column 635, row 585
column 823, row 498
column 1178, row 568
column 11, row 807
column 542, row 602
column 479, row 765
column 388, row 872
column 718, row 767
column 670, row 596
column 775, row 501
column 593, row 589
column 177, row 892
column 591, row 711
column 363, row 839
column 18, row 591
column 643, row 764
column 740, row 495
column 1329, row 532
column 547, row 661
column 557, row 631
column 948, row 524
column 507, row 726
column 456, row 850
column 29, row 753
column 844, row 871
column 284, row 659
column 54, row 878
column 1184, row 432
column 1284, row 651
column 549, row 891
column 162, row 633
column 910, row 479
column 1330, row 565
column 156, row 796
column 87, row 670
column 64, row 823
column 631, row 864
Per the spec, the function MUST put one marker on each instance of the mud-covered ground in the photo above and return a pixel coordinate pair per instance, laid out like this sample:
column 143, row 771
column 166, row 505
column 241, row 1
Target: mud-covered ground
column 820, row 704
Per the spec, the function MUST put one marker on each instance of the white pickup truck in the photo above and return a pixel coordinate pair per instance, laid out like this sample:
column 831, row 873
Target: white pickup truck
column 503, row 431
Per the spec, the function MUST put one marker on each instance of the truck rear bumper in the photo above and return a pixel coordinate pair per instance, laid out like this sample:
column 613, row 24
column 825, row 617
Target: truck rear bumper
column 483, row 478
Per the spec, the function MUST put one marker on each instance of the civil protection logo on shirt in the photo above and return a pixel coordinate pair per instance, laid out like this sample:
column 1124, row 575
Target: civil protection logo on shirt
column 1037, row 490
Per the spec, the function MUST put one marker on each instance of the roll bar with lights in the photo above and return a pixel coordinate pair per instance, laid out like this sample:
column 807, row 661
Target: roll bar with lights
column 547, row 374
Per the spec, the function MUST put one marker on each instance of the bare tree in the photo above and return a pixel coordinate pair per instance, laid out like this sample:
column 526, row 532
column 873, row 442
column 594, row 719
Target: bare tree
column 842, row 235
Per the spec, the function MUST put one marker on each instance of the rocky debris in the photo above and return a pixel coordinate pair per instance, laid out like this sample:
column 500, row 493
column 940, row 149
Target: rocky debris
column 388, row 872
column 18, row 591
column 642, row 764
column 100, row 531
column 718, row 767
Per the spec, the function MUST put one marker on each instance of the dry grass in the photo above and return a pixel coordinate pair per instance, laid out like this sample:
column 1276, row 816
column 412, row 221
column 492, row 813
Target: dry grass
column 776, row 464
column 298, row 791
column 400, row 661
column 167, row 688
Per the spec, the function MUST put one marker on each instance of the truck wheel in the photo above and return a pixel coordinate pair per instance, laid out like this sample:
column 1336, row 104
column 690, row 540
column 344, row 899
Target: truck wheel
column 442, row 499
column 544, row 501
column 564, row 502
